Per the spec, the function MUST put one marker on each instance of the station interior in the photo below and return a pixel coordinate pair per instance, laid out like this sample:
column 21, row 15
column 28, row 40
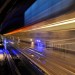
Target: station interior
column 37, row 37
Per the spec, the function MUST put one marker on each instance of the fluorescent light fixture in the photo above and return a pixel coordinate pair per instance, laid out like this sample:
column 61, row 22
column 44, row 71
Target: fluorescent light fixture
column 55, row 24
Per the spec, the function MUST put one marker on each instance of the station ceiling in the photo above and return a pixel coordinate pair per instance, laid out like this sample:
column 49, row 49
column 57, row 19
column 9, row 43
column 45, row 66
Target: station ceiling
column 11, row 14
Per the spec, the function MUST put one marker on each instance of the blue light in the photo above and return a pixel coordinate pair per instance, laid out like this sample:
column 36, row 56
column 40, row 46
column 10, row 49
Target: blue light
column 1, row 51
column 38, row 40
column 15, row 52
column 5, row 44
column 6, row 51
column 39, row 46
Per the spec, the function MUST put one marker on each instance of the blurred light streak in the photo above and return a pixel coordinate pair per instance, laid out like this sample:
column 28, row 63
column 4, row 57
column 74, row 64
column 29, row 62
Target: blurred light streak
column 30, row 28
column 55, row 24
